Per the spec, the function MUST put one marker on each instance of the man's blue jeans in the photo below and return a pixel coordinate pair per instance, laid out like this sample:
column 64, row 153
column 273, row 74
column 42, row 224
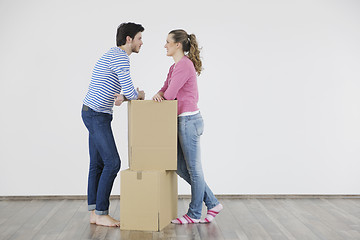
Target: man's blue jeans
column 190, row 128
column 104, row 159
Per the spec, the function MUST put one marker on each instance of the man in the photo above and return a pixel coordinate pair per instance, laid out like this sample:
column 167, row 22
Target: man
column 110, row 76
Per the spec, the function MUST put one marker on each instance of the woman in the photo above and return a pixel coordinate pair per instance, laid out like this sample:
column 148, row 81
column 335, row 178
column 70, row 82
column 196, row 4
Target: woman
column 181, row 84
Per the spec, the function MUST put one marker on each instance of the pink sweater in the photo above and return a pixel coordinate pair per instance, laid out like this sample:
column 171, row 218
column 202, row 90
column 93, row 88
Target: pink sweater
column 181, row 84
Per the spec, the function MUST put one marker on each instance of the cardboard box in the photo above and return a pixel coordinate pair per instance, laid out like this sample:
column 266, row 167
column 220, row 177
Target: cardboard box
column 152, row 135
column 148, row 199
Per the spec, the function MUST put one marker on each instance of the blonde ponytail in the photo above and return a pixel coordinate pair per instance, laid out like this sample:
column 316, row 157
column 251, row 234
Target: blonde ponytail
column 194, row 54
column 190, row 45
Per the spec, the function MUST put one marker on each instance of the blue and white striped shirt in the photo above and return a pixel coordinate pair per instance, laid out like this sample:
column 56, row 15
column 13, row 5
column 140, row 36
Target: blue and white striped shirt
column 111, row 74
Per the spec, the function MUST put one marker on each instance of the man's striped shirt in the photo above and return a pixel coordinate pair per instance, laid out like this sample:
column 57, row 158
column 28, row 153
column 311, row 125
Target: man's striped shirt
column 111, row 74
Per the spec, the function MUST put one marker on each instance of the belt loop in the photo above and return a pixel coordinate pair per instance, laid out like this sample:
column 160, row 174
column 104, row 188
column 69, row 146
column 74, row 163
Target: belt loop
column 85, row 108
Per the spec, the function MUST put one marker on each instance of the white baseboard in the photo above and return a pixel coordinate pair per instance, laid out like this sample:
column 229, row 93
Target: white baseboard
column 219, row 196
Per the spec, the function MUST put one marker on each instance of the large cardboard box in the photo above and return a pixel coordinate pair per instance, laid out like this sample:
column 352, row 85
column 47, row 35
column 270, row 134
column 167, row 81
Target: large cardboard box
column 148, row 199
column 152, row 135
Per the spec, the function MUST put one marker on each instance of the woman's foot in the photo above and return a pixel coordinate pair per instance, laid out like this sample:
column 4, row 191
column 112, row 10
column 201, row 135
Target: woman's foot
column 185, row 220
column 211, row 213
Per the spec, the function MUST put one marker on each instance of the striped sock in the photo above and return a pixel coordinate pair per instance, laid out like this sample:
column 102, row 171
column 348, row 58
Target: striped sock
column 211, row 213
column 185, row 220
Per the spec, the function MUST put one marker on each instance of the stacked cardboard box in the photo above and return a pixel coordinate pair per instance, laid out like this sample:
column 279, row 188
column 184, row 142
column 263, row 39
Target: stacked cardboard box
column 149, row 188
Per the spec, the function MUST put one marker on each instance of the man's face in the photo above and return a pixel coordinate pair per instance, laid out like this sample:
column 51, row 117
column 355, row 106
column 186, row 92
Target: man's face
column 136, row 43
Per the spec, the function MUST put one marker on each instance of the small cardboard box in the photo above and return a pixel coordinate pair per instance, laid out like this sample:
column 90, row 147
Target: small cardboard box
column 148, row 199
column 152, row 135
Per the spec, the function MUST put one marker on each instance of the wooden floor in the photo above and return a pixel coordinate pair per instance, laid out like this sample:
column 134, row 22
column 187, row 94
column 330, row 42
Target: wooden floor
column 313, row 218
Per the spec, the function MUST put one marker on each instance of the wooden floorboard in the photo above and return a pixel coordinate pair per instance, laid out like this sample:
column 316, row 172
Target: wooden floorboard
column 287, row 221
column 18, row 221
column 273, row 227
column 335, row 219
column 307, row 214
column 241, row 218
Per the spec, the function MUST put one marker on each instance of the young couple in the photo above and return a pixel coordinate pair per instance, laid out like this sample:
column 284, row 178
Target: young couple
column 111, row 75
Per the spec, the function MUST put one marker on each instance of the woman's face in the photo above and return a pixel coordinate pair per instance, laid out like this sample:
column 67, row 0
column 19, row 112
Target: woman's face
column 171, row 46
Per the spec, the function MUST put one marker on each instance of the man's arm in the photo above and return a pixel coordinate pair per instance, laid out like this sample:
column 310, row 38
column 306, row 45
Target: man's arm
column 141, row 94
column 121, row 66
column 120, row 98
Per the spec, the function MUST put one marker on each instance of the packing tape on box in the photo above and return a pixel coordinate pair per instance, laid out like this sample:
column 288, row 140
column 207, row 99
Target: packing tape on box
column 139, row 175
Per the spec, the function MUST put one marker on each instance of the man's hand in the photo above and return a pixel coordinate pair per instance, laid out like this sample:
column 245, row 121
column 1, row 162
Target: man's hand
column 119, row 99
column 158, row 97
column 141, row 94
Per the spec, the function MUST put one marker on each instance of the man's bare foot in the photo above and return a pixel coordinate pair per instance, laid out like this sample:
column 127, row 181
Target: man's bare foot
column 93, row 217
column 106, row 220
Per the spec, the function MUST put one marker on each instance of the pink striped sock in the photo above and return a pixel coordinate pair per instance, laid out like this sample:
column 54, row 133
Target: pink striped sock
column 185, row 220
column 211, row 213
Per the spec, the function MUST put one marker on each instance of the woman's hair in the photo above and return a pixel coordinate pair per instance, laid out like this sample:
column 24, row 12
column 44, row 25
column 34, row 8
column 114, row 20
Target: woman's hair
column 127, row 29
column 190, row 45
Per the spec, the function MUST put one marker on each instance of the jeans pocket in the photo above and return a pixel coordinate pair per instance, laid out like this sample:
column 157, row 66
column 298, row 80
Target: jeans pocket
column 102, row 119
column 199, row 125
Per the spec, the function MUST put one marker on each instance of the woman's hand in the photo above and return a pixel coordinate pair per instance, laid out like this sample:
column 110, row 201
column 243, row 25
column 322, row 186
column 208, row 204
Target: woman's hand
column 158, row 97
column 119, row 99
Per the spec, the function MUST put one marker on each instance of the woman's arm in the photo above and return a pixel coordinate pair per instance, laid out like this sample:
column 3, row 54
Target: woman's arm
column 159, row 96
column 180, row 75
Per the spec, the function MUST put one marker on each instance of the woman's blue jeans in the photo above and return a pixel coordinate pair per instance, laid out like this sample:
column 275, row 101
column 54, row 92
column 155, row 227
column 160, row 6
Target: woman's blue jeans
column 104, row 159
column 190, row 128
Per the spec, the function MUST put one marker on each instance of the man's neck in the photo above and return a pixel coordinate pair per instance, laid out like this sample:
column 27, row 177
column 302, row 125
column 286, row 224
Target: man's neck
column 126, row 48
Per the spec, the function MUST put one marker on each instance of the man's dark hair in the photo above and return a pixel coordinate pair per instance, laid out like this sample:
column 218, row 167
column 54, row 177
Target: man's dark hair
column 127, row 29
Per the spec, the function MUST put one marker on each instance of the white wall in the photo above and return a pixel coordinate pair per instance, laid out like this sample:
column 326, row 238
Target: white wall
column 279, row 94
